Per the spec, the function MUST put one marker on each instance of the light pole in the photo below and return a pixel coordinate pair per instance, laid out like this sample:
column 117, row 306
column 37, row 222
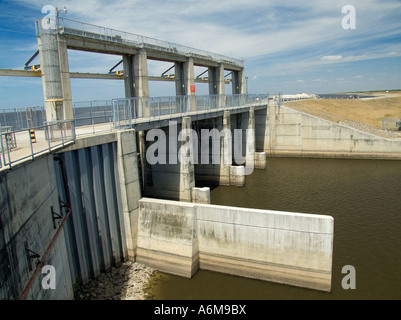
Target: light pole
column 64, row 10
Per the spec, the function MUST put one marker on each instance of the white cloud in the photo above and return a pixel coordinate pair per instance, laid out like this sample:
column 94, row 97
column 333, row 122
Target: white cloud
column 331, row 58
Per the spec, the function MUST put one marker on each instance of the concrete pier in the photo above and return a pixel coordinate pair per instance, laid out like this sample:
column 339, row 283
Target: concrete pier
column 187, row 170
column 201, row 195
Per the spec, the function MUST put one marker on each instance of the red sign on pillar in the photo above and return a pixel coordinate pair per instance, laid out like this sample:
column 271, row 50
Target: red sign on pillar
column 192, row 87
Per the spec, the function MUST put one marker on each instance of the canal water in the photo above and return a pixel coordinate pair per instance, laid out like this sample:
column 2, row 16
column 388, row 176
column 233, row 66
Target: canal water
column 363, row 196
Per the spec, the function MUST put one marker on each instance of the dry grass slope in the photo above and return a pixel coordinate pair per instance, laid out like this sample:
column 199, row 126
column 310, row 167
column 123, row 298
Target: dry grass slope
column 368, row 111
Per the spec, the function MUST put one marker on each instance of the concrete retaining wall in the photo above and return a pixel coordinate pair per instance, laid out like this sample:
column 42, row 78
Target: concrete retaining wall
column 283, row 247
column 282, row 131
column 27, row 194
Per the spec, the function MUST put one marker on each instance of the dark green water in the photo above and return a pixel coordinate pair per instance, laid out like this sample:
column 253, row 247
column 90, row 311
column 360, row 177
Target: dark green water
column 363, row 196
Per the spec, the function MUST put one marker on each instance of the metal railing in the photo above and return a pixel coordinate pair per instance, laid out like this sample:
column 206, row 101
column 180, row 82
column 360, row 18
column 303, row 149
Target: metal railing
column 18, row 145
column 87, row 30
column 128, row 111
column 22, row 118
column 90, row 114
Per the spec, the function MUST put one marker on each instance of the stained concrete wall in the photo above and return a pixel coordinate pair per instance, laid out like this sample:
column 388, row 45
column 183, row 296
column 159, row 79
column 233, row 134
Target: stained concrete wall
column 99, row 178
column 26, row 196
column 284, row 247
column 167, row 237
column 282, row 131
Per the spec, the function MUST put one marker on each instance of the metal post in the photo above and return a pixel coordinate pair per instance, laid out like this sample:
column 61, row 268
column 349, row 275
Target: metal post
column 73, row 136
column 134, row 112
column 61, row 130
column 47, row 135
column 2, row 148
column 169, row 106
column 30, row 142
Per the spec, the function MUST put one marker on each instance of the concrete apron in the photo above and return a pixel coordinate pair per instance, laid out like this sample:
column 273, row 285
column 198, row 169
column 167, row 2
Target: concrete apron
column 290, row 248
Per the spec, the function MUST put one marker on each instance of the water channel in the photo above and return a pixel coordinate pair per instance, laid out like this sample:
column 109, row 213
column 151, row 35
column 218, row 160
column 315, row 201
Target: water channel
column 363, row 196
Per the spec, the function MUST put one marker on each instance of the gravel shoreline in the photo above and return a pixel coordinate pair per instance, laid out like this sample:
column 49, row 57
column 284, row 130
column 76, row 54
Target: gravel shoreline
column 127, row 282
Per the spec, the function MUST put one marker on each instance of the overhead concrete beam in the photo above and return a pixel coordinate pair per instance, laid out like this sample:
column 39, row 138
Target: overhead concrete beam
column 82, row 75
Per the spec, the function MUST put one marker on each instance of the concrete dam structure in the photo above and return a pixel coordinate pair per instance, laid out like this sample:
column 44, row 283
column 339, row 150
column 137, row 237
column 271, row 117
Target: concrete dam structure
column 100, row 200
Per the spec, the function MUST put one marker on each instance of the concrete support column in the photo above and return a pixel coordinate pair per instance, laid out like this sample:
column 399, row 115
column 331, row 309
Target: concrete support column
column 235, row 82
column 136, row 80
column 129, row 76
column 187, row 170
column 55, row 75
column 260, row 160
column 271, row 119
column 180, row 87
column 189, row 79
column 226, row 150
column 141, row 77
column 250, row 139
column 201, row 195
column 212, row 81
column 217, row 85
column 179, row 79
column 127, row 158
column 238, row 82
column 238, row 86
column 242, row 83
column 184, row 84
column 237, row 176
column 221, row 89
column 68, row 112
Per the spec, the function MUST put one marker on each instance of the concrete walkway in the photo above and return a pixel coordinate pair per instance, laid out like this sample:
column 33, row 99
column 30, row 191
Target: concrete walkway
column 25, row 151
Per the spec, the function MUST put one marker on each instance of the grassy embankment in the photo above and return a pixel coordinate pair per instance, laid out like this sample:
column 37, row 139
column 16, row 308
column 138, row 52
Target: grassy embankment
column 367, row 111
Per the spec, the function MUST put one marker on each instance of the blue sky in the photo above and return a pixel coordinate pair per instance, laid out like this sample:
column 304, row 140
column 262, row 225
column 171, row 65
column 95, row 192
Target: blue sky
column 288, row 46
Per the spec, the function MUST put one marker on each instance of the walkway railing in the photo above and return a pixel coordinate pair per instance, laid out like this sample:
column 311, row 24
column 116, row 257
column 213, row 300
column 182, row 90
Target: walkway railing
column 89, row 114
column 22, row 117
column 128, row 111
column 17, row 145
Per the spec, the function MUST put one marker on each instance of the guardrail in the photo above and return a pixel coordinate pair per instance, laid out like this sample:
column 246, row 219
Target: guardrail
column 87, row 30
column 90, row 114
column 22, row 118
column 128, row 111
column 18, row 145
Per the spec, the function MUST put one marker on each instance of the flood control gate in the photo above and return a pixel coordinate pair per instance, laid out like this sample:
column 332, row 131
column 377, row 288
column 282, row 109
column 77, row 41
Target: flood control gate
column 87, row 179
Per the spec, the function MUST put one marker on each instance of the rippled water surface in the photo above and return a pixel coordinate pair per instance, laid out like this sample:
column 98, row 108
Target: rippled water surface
column 363, row 196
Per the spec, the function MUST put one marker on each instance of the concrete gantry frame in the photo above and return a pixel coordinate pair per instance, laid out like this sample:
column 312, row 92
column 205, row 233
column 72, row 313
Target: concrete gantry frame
column 53, row 45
